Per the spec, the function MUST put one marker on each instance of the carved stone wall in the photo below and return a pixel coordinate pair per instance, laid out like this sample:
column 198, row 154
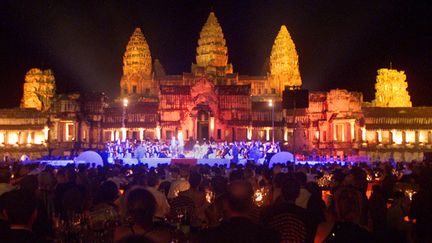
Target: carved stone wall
column 39, row 89
column 341, row 100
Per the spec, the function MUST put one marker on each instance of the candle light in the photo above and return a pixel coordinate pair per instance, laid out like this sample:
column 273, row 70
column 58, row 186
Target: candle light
column 409, row 193
column 260, row 196
column 209, row 196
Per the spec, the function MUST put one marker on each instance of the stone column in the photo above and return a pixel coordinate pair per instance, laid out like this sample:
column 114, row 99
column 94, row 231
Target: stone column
column 6, row 137
column 334, row 131
column 141, row 134
column 29, row 137
column 194, row 122
column 363, row 134
column 343, row 133
column 158, row 132
column 249, row 133
column 379, row 136
column 211, row 127
column 352, row 124
column 19, row 135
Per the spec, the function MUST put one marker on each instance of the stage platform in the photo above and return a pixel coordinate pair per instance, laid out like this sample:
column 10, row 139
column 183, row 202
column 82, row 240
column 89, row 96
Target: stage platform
column 151, row 162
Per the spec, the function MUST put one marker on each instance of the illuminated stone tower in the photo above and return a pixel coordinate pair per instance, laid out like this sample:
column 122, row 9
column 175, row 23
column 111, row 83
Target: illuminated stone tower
column 391, row 89
column 212, row 52
column 39, row 89
column 284, row 67
column 137, row 68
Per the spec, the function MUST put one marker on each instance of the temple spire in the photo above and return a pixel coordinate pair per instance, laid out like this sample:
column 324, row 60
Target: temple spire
column 212, row 50
column 284, row 65
column 391, row 89
column 137, row 68
column 39, row 89
column 137, row 58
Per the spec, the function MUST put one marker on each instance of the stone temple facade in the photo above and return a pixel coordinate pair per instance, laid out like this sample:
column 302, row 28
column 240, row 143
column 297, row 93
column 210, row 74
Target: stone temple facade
column 213, row 102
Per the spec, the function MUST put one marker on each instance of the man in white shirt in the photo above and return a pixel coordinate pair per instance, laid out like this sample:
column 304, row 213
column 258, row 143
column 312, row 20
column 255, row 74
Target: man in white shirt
column 179, row 182
column 162, row 206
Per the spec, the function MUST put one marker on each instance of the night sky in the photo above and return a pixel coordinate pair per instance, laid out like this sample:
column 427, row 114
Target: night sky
column 341, row 44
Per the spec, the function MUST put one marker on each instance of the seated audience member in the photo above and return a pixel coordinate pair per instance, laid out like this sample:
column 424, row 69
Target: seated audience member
column 378, row 213
column 69, row 197
column 398, row 228
column 214, row 212
column 162, row 206
column 292, row 222
column 237, row 225
column 304, row 195
column 5, row 186
column 135, row 239
column 43, row 223
column 421, row 208
column 346, row 226
column 21, row 212
column 104, row 213
column 198, row 198
column 141, row 207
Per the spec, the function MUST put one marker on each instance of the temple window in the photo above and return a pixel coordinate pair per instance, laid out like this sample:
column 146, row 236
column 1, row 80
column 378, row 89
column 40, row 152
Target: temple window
column 273, row 91
column 134, row 89
column 219, row 134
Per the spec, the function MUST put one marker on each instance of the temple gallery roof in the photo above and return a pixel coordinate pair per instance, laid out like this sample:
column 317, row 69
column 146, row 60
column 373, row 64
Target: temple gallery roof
column 398, row 118
column 21, row 113
column 409, row 112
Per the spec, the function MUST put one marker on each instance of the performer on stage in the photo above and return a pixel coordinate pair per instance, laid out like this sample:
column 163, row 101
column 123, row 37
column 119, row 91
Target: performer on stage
column 235, row 153
column 173, row 147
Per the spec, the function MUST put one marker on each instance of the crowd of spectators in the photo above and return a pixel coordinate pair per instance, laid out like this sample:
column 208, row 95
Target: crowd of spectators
column 331, row 202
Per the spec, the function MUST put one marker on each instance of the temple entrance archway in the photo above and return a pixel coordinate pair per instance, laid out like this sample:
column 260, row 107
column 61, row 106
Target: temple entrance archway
column 203, row 124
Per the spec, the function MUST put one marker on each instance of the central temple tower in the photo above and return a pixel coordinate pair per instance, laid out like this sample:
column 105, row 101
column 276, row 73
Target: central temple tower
column 212, row 52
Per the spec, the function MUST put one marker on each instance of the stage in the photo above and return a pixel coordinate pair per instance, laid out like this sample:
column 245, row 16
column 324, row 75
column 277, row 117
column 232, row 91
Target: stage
column 151, row 162
column 91, row 157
